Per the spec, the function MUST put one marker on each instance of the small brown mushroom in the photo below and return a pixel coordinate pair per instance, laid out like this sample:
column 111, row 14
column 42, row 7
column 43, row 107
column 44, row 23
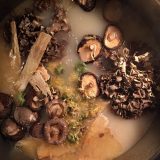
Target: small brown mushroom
column 11, row 130
column 89, row 48
column 89, row 85
column 113, row 37
column 55, row 108
column 25, row 116
column 86, row 5
column 113, row 10
column 55, row 131
column 37, row 130
column 6, row 104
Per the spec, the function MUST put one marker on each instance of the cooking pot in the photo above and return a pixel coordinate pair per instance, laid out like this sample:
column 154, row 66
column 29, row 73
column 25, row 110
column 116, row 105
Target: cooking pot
column 148, row 148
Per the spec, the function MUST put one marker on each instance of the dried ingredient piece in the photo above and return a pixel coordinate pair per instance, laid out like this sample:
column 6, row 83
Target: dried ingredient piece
column 6, row 105
column 55, row 108
column 11, row 130
column 24, row 116
column 113, row 37
column 89, row 85
column 33, row 60
column 55, row 131
column 113, row 10
column 129, row 88
column 89, row 48
column 37, row 130
column 15, row 52
column 86, row 5
column 42, row 5
column 34, row 100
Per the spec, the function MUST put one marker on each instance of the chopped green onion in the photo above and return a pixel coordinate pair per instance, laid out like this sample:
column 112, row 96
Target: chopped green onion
column 59, row 70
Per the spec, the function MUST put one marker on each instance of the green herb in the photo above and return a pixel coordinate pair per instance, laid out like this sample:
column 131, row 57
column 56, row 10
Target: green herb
column 59, row 70
column 73, row 137
column 80, row 67
column 20, row 98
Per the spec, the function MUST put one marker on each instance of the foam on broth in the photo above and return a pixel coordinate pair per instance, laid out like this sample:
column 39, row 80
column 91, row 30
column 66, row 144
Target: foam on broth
column 127, row 132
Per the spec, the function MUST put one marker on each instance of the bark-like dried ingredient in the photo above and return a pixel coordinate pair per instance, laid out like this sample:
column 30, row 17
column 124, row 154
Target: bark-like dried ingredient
column 30, row 25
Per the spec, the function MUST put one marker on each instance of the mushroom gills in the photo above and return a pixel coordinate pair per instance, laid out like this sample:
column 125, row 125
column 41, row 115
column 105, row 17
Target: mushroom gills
column 89, row 85
column 113, row 37
column 89, row 48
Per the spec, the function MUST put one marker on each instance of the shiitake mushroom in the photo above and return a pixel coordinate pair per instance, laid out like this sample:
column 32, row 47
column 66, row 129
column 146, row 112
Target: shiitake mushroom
column 113, row 11
column 113, row 37
column 89, row 85
column 89, row 48
column 24, row 116
column 55, row 131
column 10, row 129
column 55, row 108
column 86, row 5
column 6, row 104
column 36, row 130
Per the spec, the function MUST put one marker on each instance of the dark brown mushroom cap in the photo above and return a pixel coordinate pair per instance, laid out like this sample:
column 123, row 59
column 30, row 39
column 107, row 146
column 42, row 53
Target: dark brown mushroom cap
column 86, row 5
column 89, row 48
column 113, row 10
column 55, row 108
column 33, row 100
column 55, row 131
column 37, row 130
column 42, row 5
column 11, row 130
column 89, row 85
column 25, row 116
column 113, row 37
column 6, row 104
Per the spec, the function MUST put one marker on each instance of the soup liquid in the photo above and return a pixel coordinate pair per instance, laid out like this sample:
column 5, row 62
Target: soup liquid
column 127, row 132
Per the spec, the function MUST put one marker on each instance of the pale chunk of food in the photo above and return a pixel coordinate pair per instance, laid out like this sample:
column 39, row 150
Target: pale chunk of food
column 99, row 143
column 55, row 151
column 113, row 37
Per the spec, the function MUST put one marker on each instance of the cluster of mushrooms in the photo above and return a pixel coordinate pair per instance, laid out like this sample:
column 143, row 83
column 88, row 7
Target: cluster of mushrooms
column 128, row 85
column 18, row 121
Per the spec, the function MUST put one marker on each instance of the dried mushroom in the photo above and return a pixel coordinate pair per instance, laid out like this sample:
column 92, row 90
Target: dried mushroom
column 37, row 130
column 113, row 10
column 55, row 108
column 89, row 85
column 25, row 116
column 6, row 104
column 113, row 37
column 129, row 89
column 42, row 5
column 55, row 131
column 89, row 48
column 30, row 25
column 86, row 5
column 11, row 130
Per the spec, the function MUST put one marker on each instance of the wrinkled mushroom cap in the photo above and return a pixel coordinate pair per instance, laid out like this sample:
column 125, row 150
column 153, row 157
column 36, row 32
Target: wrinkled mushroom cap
column 113, row 37
column 55, row 131
column 11, row 130
column 55, row 108
column 89, row 48
column 25, row 116
column 89, row 85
